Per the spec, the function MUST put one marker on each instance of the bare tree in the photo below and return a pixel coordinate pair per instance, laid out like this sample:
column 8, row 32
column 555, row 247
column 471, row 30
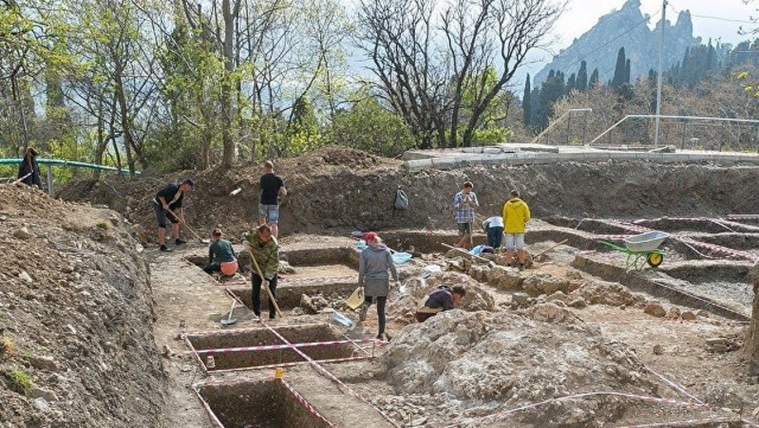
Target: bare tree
column 442, row 65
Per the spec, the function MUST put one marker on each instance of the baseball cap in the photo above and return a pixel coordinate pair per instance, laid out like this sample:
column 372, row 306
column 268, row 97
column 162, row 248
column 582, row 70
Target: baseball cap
column 188, row 181
column 370, row 236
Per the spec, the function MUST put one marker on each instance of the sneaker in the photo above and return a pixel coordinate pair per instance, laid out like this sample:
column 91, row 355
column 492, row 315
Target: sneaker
column 179, row 242
column 362, row 312
column 165, row 249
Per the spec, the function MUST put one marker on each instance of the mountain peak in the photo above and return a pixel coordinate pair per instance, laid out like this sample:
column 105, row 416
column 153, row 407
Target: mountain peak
column 626, row 27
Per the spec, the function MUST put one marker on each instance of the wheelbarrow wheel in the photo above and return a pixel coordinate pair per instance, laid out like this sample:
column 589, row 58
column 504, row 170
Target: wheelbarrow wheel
column 655, row 259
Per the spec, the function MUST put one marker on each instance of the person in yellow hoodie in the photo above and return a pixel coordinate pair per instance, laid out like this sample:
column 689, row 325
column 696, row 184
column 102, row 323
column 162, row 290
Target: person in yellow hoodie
column 516, row 214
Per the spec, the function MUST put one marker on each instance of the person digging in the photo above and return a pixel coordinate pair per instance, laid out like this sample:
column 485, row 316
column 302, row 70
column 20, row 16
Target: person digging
column 443, row 298
column 264, row 249
column 221, row 256
column 168, row 205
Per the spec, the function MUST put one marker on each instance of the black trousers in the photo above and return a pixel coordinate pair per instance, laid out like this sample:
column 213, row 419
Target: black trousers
column 381, row 301
column 256, row 281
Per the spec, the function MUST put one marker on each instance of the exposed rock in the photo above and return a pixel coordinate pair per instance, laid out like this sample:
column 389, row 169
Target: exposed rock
column 25, row 277
column 313, row 305
column 535, row 285
column 673, row 313
column 655, row 309
column 37, row 392
column 550, row 312
column 41, row 405
column 520, row 299
column 22, row 233
column 285, row 268
column 504, row 278
column 43, row 363
column 608, row 293
column 577, row 302
column 559, row 295
column 688, row 316
column 658, row 350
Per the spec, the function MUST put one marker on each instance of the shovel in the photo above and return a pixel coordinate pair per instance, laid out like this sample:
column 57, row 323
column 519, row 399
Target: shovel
column 264, row 283
column 202, row 240
column 229, row 320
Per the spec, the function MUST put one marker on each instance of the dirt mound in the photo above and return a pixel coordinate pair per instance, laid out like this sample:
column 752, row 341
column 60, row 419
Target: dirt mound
column 341, row 189
column 495, row 360
column 76, row 310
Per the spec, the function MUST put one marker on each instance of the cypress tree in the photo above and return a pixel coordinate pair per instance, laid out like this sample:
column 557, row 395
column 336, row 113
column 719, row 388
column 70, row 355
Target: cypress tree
column 582, row 77
column 571, row 83
column 593, row 78
column 619, row 69
column 627, row 71
column 527, row 103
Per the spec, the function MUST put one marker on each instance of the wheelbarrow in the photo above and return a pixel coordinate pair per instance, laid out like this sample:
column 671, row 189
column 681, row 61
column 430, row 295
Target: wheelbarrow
column 641, row 249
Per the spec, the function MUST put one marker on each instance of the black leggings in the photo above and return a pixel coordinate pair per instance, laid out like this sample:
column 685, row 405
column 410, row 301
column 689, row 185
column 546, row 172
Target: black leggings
column 380, row 310
column 256, row 281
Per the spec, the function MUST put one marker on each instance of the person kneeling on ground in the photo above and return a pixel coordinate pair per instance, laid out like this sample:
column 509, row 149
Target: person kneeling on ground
column 443, row 298
column 263, row 247
column 373, row 268
column 221, row 256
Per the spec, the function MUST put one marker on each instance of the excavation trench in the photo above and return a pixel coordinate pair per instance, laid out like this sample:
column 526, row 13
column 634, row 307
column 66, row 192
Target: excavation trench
column 260, row 404
column 220, row 350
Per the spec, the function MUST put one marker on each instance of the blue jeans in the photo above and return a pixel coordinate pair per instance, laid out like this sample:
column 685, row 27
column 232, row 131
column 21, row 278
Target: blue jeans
column 494, row 236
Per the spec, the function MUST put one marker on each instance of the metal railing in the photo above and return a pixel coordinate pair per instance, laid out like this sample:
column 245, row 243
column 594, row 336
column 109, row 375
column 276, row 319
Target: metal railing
column 567, row 114
column 64, row 163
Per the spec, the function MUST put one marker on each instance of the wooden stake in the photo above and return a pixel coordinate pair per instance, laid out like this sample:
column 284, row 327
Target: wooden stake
column 551, row 248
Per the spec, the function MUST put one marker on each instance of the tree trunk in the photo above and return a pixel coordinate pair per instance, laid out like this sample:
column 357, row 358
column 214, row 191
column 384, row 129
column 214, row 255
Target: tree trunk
column 226, row 86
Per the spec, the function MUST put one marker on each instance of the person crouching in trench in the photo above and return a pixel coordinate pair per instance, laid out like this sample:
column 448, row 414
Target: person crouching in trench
column 443, row 298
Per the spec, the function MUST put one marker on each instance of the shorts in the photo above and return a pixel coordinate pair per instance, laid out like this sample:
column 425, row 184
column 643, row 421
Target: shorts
column 162, row 216
column 270, row 212
column 514, row 241
column 465, row 229
column 229, row 268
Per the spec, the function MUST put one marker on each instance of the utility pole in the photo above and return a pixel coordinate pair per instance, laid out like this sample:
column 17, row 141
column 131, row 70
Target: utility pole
column 661, row 72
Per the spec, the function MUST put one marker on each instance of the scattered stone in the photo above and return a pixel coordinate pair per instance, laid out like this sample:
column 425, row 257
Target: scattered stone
column 71, row 329
column 688, row 316
column 504, row 278
column 578, row 303
column 41, row 405
column 658, row 350
column 313, row 305
column 297, row 311
column 673, row 313
column 655, row 309
column 25, row 277
column 720, row 344
column 550, row 312
column 558, row 296
column 520, row 299
column 548, row 284
column 285, row 268
column 37, row 392
column 22, row 233
column 43, row 363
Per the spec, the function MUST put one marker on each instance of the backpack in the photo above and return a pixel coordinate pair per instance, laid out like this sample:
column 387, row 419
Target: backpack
column 401, row 200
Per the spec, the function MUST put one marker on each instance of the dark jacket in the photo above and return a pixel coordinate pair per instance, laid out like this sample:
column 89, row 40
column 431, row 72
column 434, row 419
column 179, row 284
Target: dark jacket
column 29, row 166
column 441, row 297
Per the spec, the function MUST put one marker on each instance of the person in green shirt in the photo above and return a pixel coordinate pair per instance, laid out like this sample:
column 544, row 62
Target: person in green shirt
column 263, row 246
column 221, row 255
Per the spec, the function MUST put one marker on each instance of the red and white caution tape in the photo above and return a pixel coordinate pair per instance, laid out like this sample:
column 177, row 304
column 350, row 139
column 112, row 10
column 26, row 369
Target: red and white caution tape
column 688, row 423
column 306, row 405
column 677, row 387
column 283, row 346
column 292, row 364
column 214, row 420
column 504, row 413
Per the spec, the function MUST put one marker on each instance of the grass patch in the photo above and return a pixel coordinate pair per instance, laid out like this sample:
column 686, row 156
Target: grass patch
column 20, row 380
column 6, row 345
column 104, row 225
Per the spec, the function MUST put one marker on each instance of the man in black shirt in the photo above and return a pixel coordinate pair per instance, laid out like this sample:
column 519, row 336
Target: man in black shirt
column 272, row 188
column 167, row 201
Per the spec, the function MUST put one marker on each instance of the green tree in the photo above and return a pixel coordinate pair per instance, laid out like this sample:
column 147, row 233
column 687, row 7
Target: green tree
column 527, row 102
column 369, row 126
column 582, row 77
column 594, row 79
column 620, row 70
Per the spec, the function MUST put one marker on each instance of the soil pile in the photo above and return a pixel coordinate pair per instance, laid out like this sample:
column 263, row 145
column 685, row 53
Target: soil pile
column 75, row 317
column 343, row 189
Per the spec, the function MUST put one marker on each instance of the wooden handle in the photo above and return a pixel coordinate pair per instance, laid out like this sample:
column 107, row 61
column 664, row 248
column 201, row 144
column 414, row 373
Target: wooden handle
column 261, row 275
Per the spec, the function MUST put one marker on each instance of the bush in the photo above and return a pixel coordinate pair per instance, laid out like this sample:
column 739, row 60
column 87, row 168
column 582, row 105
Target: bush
column 20, row 381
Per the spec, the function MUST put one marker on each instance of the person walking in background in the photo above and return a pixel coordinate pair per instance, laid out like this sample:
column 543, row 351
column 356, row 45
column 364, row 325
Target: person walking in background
column 221, row 256
column 465, row 203
column 28, row 170
column 516, row 214
column 494, row 228
column 263, row 247
column 373, row 267
column 168, row 205
column 272, row 188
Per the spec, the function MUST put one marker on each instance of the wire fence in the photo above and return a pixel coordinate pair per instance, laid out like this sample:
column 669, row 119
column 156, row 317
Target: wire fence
column 585, row 128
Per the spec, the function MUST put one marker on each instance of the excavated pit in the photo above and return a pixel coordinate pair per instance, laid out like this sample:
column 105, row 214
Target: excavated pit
column 202, row 343
column 260, row 404
column 289, row 296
